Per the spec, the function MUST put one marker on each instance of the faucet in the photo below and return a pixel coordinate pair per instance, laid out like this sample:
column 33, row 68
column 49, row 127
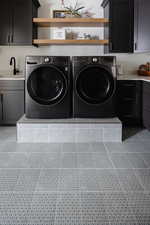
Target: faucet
column 15, row 71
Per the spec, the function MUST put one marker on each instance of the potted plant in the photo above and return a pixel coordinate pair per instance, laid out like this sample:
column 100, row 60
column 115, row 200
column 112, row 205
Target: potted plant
column 73, row 11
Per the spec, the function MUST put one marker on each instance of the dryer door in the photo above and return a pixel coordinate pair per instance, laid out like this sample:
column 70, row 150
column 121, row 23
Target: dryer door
column 47, row 85
column 95, row 84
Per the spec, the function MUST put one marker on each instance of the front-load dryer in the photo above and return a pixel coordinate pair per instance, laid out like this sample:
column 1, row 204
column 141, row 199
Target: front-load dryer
column 94, row 87
column 48, row 87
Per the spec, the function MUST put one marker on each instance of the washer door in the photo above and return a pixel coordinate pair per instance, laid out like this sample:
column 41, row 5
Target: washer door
column 47, row 85
column 95, row 84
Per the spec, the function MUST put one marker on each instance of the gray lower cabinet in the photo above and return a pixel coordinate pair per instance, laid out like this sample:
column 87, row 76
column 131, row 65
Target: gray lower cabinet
column 146, row 105
column 129, row 102
column 11, row 101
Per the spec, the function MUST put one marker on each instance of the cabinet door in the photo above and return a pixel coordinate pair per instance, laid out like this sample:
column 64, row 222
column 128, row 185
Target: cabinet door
column 1, row 109
column 121, row 26
column 142, row 25
column 4, row 22
column 129, row 100
column 146, row 105
column 13, row 106
column 21, row 22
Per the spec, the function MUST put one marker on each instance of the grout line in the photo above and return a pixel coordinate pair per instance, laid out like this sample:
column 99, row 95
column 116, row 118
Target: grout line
column 107, row 151
column 69, row 168
column 17, row 179
column 57, row 198
column 60, row 151
column 146, row 163
column 38, row 179
column 139, row 179
column 74, row 191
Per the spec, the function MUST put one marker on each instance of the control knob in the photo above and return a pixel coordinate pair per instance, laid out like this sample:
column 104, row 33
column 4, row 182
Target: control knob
column 95, row 60
column 47, row 60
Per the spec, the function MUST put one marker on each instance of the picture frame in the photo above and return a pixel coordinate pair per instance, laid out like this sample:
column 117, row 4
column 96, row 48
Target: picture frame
column 59, row 33
column 59, row 13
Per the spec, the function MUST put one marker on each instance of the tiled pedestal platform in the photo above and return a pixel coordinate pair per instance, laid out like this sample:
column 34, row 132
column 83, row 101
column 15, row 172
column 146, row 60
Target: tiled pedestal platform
column 69, row 130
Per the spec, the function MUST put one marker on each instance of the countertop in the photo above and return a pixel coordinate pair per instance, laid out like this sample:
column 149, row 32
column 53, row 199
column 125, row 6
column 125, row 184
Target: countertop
column 120, row 77
column 133, row 77
column 14, row 77
column 8, row 75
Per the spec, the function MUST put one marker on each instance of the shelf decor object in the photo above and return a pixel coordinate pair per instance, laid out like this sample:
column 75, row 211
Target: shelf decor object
column 59, row 33
column 59, row 13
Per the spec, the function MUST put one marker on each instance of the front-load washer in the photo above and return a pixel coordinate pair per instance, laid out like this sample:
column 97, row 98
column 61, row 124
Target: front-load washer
column 48, row 87
column 94, row 87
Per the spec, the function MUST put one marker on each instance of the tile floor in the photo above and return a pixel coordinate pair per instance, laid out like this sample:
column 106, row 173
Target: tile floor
column 75, row 184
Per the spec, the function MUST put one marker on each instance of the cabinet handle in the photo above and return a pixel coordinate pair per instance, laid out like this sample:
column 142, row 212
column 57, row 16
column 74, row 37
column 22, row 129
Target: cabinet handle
column 12, row 39
column 2, row 106
column 8, row 38
column 135, row 46
column 128, row 85
column 128, row 99
column 110, row 46
column 128, row 116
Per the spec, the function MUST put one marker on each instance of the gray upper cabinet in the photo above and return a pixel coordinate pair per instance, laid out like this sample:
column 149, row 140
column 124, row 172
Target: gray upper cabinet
column 129, row 29
column 11, row 101
column 16, row 26
column 4, row 22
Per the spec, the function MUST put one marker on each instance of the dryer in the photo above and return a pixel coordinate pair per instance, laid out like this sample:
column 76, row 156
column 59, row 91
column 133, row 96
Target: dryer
column 94, row 86
column 48, row 87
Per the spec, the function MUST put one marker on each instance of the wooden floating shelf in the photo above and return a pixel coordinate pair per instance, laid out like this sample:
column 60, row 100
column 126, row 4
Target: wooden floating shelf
column 82, row 22
column 69, row 42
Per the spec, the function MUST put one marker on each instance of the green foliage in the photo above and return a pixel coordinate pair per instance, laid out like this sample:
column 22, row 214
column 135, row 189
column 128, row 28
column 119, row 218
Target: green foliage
column 75, row 10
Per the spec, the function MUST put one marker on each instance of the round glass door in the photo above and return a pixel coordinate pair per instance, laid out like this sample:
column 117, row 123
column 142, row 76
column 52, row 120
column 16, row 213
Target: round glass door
column 47, row 85
column 95, row 84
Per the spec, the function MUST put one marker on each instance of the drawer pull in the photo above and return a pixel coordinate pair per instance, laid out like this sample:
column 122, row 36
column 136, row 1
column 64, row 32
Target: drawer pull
column 128, row 85
column 128, row 116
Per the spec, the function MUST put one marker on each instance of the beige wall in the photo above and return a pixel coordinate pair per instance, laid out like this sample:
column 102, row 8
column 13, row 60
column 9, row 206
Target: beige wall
column 130, row 61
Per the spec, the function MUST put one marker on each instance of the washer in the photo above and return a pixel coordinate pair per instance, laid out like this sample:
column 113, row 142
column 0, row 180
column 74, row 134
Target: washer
column 48, row 87
column 94, row 87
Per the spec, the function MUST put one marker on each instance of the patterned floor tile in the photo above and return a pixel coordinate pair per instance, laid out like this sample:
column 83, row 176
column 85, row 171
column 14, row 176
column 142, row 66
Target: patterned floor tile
column 14, row 208
column 101, row 160
column 85, row 160
column 108, row 180
column 146, row 158
column 128, row 160
column 68, row 180
column 133, row 147
column 13, row 160
column 93, row 210
column 88, row 180
column 144, row 177
column 139, row 203
column 68, row 160
column 68, row 209
column 117, row 209
column 27, row 180
column 44, row 160
column 8, row 179
column 43, row 209
column 48, row 180
column 128, row 180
